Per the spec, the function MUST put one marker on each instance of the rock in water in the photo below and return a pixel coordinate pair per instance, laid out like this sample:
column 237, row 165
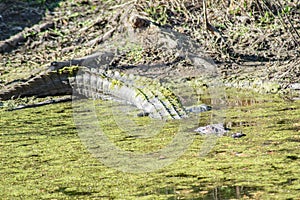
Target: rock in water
column 238, row 135
column 213, row 129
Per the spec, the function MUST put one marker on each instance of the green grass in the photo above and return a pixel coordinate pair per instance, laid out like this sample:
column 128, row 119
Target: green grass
column 42, row 156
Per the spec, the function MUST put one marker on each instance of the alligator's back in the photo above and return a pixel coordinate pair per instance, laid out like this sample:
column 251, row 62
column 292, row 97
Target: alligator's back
column 144, row 93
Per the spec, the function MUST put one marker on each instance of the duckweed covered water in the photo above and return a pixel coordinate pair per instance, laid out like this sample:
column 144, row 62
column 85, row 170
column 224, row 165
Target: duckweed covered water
column 42, row 156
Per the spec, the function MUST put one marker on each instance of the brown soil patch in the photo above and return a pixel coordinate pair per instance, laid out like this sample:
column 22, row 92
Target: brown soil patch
column 246, row 41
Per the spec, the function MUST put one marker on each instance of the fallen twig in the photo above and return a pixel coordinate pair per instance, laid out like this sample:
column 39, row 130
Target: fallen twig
column 11, row 43
column 98, row 40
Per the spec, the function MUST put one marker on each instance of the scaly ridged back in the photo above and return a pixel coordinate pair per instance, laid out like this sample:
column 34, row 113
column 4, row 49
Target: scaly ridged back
column 146, row 94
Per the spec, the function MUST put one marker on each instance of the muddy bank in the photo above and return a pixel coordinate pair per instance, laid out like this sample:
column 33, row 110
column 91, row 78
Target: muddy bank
column 253, row 45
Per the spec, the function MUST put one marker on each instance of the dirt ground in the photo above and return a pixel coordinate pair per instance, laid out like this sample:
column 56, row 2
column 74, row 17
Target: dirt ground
column 246, row 41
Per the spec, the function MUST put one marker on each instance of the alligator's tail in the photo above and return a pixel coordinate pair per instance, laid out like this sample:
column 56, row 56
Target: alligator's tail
column 48, row 84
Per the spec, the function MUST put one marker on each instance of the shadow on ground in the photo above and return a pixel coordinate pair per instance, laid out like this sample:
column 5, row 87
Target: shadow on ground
column 16, row 15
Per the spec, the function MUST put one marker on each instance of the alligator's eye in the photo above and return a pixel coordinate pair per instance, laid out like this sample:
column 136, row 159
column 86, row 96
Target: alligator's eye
column 54, row 63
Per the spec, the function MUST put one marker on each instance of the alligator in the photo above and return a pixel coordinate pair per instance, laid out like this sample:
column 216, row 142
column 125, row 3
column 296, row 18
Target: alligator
column 62, row 78
column 92, row 76
column 147, row 94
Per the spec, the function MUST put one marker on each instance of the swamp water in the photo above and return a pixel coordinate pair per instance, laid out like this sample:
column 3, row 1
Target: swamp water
column 44, row 155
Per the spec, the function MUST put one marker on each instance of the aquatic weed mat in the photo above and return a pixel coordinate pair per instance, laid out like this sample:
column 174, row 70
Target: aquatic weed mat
column 43, row 157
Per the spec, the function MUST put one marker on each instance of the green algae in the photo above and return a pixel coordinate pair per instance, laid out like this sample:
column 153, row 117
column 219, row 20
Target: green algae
column 71, row 70
column 42, row 156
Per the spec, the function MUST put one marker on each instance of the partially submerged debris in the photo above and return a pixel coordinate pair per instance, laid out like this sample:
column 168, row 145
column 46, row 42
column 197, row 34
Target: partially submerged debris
column 212, row 129
column 238, row 135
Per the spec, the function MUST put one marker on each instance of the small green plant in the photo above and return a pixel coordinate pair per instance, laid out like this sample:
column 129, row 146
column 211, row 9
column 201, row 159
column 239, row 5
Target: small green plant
column 57, row 32
column 267, row 18
column 29, row 34
column 136, row 54
column 286, row 10
column 235, row 11
column 158, row 14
